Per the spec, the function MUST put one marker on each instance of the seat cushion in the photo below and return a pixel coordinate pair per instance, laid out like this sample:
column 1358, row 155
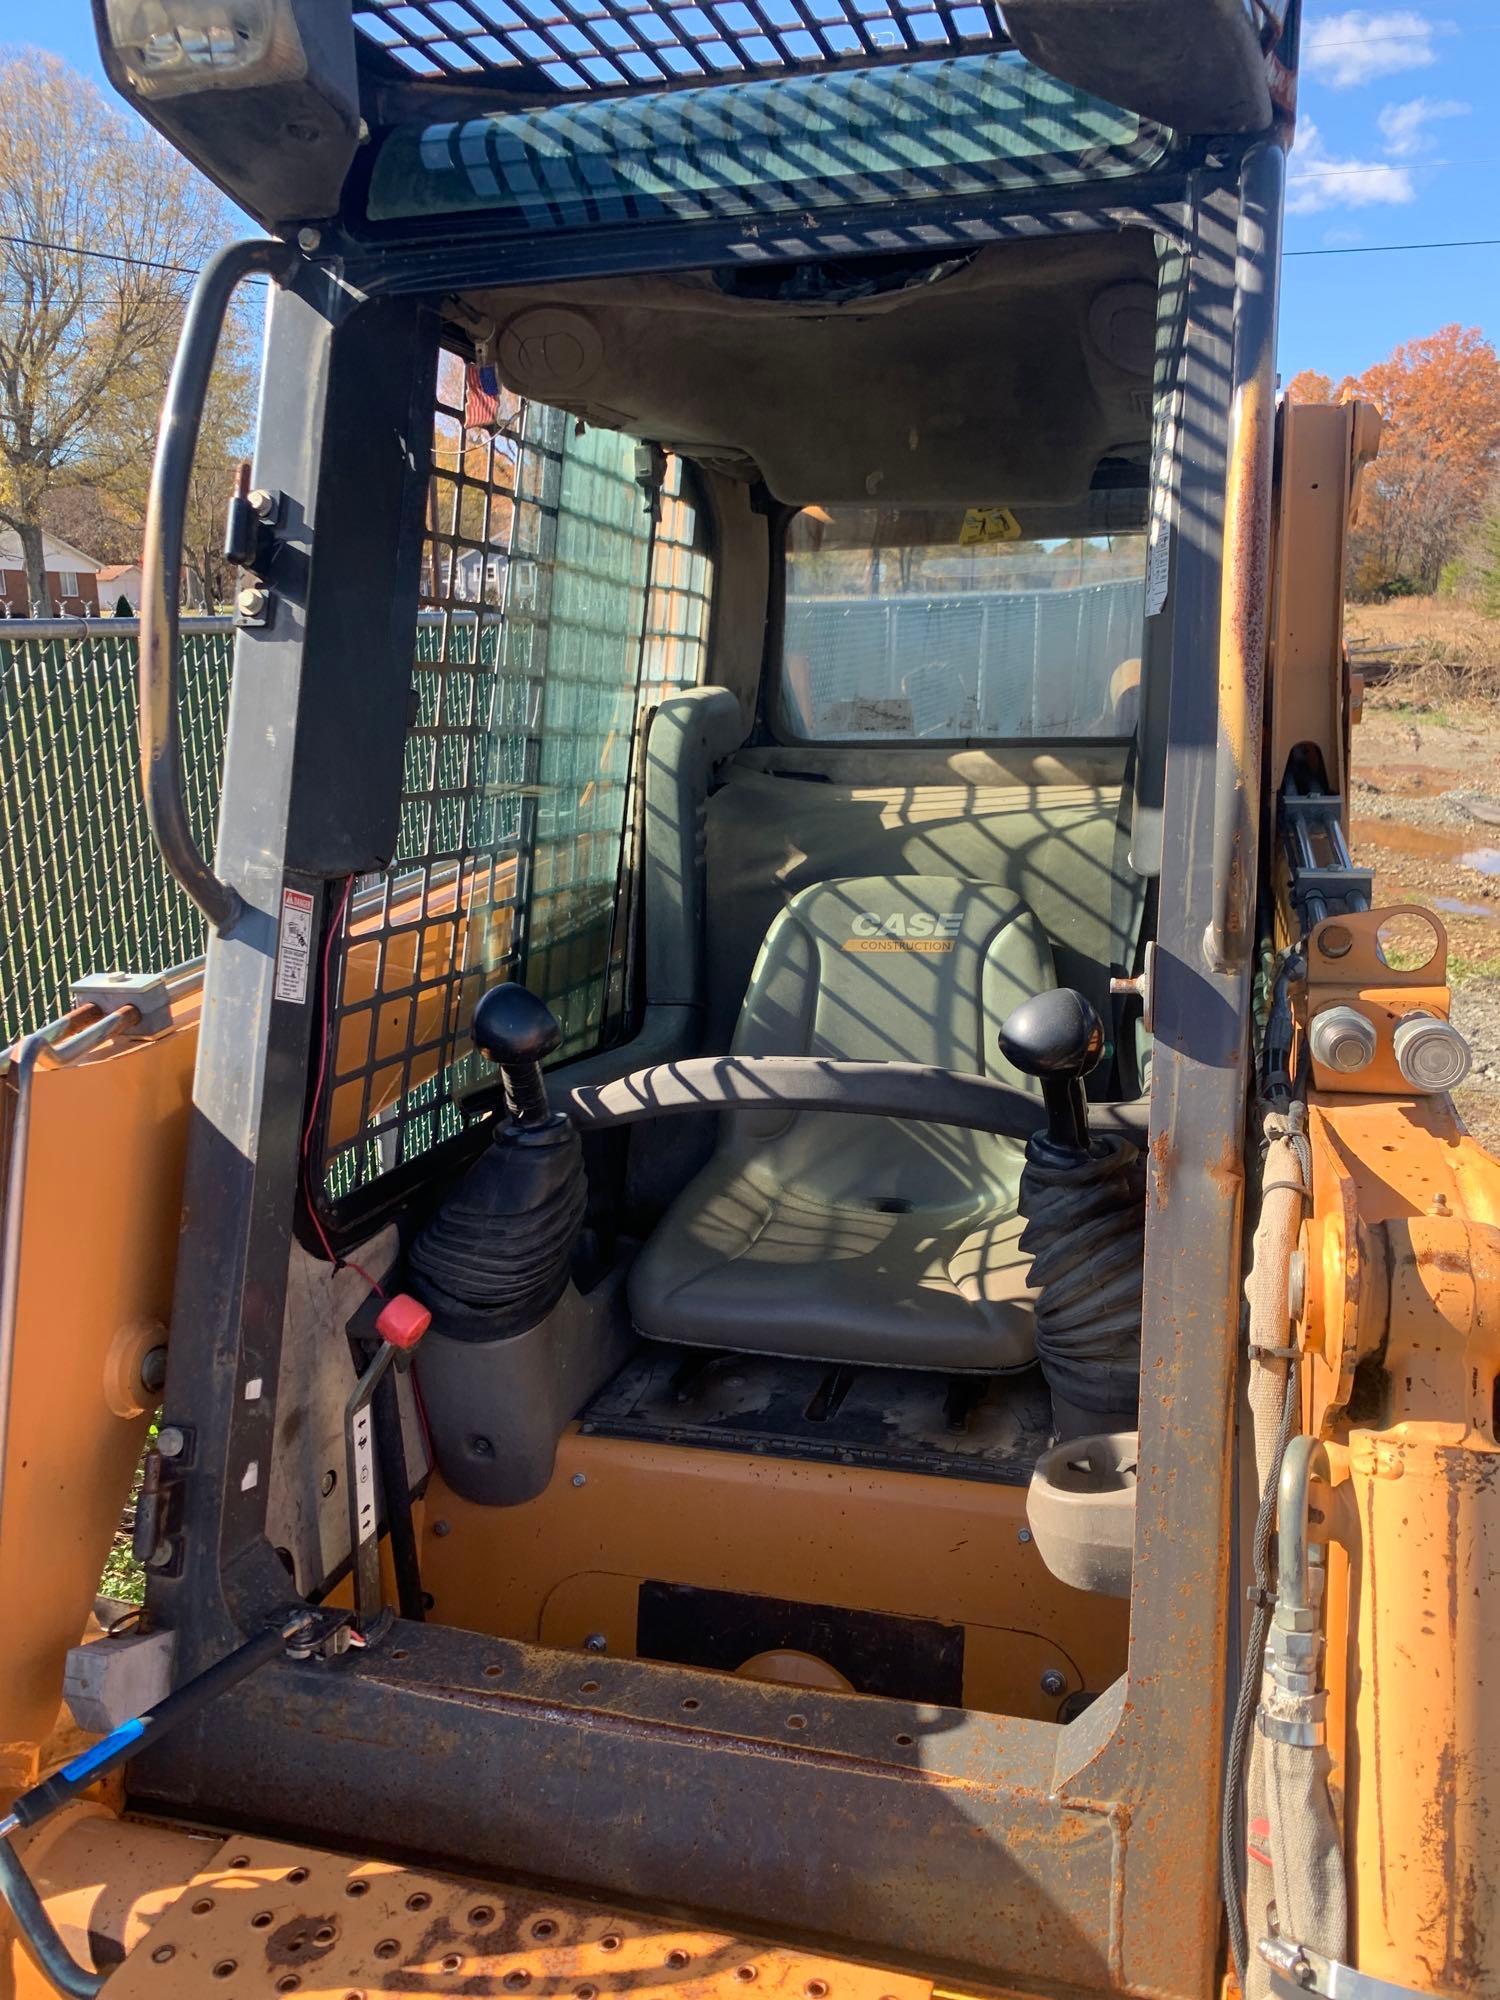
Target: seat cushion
column 833, row 1237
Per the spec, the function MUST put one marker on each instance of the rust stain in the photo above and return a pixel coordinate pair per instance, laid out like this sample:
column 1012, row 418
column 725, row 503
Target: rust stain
column 1160, row 1150
column 1228, row 1172
column 302, row 1940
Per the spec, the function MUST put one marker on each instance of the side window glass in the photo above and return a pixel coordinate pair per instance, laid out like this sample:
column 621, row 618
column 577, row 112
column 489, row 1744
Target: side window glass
column 556, row 609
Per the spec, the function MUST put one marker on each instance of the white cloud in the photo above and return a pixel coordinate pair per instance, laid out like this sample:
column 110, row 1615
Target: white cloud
column 1342, row 239
column 1404, row 126
column 1318, row 180
column 1357, row 46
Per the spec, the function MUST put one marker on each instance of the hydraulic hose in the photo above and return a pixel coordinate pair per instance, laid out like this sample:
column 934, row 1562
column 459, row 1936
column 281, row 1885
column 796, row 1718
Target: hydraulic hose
column 38, row 1932
column 1286, row 1185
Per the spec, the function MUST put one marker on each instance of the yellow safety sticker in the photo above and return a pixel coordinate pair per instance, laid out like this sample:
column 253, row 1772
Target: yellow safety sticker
column 988, row 524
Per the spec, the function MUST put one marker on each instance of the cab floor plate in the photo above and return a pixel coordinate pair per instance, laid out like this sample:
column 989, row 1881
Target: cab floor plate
column 265, row 1918
column 991, row 1427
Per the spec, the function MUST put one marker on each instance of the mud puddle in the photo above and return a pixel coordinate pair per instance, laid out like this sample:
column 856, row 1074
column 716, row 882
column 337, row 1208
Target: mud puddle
column 1423, row 799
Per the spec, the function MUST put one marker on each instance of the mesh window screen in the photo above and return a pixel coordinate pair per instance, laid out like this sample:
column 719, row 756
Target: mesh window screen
column 587, row 45
column 554, row 613
column 83, row 888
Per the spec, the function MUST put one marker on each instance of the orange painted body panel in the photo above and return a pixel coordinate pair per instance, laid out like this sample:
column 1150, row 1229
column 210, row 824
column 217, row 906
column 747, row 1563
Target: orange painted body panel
column 98, row 1252
column 569, row 1563
column 1404, row 1360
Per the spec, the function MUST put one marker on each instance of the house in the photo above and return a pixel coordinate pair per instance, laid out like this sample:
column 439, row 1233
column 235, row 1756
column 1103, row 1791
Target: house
column 72, row 579
column 477, row 575
column 117, row 580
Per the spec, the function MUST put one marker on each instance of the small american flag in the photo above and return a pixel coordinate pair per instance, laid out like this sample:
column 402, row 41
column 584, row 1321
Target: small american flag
column 481, row 399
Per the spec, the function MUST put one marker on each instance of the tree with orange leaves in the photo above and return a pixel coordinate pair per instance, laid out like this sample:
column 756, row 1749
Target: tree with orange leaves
column 1440, row 399
column 1310, row 387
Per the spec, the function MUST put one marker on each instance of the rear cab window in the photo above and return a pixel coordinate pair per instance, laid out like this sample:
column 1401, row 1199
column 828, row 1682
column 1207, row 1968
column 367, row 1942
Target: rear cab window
column 953, row 623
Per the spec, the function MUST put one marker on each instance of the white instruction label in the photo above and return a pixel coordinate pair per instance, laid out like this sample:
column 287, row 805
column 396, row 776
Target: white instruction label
column 364, row 1476
column 294, row 945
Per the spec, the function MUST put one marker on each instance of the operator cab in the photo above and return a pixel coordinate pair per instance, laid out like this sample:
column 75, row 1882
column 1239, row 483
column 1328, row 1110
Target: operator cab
column 827, row 586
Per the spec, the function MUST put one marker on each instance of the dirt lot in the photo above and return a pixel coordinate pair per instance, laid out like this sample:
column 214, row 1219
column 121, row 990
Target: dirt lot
column 1425, row 807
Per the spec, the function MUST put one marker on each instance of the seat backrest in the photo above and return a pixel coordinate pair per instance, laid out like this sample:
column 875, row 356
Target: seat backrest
column 903, row 968
column 1057, row 847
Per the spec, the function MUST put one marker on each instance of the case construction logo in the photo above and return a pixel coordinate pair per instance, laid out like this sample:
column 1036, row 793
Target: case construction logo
column 904, row 930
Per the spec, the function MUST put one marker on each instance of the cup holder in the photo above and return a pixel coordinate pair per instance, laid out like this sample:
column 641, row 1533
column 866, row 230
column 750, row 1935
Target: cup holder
column 1081, row 1507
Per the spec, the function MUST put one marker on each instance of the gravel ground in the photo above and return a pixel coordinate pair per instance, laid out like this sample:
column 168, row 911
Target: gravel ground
column 1425, row 815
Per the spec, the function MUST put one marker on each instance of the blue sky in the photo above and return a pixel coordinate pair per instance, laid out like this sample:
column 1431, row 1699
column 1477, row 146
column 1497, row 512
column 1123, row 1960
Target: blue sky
column 1398, row 142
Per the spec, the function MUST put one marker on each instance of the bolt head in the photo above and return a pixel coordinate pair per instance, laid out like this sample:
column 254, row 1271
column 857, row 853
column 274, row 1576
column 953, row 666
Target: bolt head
column 261, row 503
column 596, row 1642
column 1023, row 1535
column 441, row 1528
column 309, row 239
column 580, row 1479
column 170, row 1441
column 1054, row 1681
column 252, row 601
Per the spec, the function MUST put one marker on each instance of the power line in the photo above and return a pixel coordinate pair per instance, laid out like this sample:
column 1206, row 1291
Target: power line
column 104, row 256
column 1383, row 249
column 113, row 257
column 1296, row 173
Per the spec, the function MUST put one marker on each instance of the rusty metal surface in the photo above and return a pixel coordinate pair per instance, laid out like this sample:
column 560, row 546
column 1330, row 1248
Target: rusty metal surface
column 1423, row 1783
column 1247, row 542
column 928, row 1834
column 1324, row 449
column 263, row 1918
column 1401, row 1333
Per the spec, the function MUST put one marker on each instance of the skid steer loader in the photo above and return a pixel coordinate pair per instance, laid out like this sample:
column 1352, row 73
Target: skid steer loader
column 809, row 1307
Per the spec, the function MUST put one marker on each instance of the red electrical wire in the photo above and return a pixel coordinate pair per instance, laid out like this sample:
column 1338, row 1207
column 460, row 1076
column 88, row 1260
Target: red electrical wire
column 325, row 1035
column 315, row 1101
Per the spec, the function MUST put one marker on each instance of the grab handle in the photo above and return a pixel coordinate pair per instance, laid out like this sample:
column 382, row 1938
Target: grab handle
column 161, row 565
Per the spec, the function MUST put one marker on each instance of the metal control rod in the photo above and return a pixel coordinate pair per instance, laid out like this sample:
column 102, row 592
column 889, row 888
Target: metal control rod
column 64, row 1785
column 303, row 1631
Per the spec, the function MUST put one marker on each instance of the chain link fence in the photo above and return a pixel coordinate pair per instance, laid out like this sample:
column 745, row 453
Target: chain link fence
column 82, row 887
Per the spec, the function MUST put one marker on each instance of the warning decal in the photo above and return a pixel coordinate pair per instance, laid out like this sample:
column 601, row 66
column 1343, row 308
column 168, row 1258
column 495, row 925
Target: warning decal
column 294, row 945
column 988, row 524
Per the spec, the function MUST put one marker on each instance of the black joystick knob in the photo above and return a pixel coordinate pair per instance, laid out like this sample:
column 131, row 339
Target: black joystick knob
column 516, row 1030
column 1058, row 1037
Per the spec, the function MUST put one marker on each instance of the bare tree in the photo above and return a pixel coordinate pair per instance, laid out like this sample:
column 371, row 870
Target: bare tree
column 126, row 440
column 85, row 341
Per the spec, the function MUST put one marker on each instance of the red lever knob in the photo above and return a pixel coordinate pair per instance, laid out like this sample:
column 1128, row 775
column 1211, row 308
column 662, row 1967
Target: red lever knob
column 402, row 1321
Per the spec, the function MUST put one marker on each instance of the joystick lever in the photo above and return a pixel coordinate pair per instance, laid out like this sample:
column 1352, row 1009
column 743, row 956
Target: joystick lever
column 516, row 1031
column 1057, row 1037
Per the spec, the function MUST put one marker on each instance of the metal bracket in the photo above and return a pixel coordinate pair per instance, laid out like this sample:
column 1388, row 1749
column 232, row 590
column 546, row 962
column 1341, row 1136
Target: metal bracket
column 147, row 992
column 250, row 529
column 1309, row 1971
column 321, row 1634
column 1140, row 986
column 154, row 1541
